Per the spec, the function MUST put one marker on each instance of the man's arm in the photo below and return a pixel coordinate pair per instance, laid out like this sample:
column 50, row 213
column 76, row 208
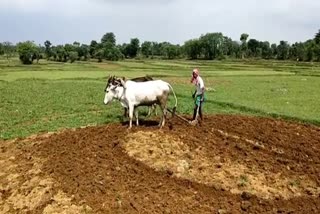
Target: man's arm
column 202, row 89
column 202, row 93
column 194, row 94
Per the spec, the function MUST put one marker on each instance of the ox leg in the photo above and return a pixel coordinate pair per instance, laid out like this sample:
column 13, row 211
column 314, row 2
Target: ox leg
column 155, row 109
column 131, row 109
column 149, row 111
column 164, row 114
column 161, row 119
column 136, row 114
column 163, row 104
column 125, row 114
column 125, row 111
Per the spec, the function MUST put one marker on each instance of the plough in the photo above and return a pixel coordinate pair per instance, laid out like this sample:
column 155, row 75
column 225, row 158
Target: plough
column 174, row 113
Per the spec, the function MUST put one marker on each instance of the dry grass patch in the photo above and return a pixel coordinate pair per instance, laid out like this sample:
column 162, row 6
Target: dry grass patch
column 164, row 152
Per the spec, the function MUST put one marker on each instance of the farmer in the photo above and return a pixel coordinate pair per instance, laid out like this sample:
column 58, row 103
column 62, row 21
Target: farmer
column 198, row 94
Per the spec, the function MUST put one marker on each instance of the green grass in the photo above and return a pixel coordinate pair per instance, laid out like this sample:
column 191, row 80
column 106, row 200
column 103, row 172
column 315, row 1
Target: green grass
column 49, row 96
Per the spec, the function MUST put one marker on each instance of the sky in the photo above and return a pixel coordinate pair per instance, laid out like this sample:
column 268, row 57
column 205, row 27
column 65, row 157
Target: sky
column 175, row 21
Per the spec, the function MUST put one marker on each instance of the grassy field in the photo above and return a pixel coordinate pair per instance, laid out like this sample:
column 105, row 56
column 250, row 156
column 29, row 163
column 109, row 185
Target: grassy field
column 49, row 96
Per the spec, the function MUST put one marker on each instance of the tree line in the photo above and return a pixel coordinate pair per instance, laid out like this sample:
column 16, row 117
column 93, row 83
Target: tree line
column 210, row 46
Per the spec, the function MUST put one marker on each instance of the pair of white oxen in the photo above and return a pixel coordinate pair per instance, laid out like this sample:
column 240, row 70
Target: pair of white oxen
column 139, row 92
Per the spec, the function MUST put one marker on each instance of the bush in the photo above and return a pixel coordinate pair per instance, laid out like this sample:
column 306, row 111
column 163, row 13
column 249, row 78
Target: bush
column 99, row 54
column 73, row 56
column 27, row 51
column 221, row 57
column 113, row 54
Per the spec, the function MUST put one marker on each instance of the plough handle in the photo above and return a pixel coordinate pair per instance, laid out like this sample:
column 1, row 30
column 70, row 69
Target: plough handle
column 174, row 113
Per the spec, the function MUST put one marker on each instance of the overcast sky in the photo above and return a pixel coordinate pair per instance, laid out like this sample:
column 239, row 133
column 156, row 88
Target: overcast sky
column 66, row 21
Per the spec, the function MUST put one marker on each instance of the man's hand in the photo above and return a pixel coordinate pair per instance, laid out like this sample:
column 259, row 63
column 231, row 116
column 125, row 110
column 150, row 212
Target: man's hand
column 202, row 98
column 194, row 95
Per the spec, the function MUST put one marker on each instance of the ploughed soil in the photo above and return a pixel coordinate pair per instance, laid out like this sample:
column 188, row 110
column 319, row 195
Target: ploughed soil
column 229, row 164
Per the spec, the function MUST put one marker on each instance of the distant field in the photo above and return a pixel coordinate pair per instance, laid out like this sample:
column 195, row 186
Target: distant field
column 49, row 96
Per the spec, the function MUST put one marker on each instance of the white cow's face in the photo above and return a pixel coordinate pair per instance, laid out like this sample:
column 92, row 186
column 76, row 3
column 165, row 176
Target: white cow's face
column 110, row 94
column 114, row 90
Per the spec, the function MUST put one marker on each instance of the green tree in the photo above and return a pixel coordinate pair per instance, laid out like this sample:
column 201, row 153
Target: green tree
column 227, row 46
column 113, row 54
column 156, row 49
column 110, row 50
column 133, row 47
column 259, row 52
column 38, row 54
column 73, row 56
column 266, row 52
column 62, row 54
column 317, row 37
column 69, row 48
column 1, row 49
column 8, row 49
column 236, row 50
column 109, row 38
column 76, row 44
column 211, row 44
column 274, row 50
column 27, row 51
column 283, row 50
column 146, row 48
column 170, row 51
column 309, row 50
column 317, row 46
column 124, row 48
column 54, row 54
column 244, row 47
column 192, row 48
column 296, row 51
column 98, row 54
column 48, row 51
column 92, row 48
column 253, row 46
column 244, row 37
column 83, row 52
column 316, row 51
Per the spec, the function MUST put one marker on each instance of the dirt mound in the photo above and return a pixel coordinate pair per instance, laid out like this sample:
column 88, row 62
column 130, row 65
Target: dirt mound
column 166, row 152
column 231, row 164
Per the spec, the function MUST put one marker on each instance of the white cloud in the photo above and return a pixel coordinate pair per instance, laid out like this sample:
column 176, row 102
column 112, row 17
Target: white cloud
column 171, row 20
column 54, row 7
column 80, row 7
column 22, row 5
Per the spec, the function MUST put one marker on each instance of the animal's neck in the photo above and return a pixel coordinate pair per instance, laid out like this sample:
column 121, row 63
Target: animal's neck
column 120, row 93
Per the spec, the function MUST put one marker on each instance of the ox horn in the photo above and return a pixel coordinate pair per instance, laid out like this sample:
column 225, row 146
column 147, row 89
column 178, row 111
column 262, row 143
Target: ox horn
column 123, row 83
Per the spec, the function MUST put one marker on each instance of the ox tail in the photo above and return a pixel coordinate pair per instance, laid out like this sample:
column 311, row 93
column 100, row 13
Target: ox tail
column 175, row 106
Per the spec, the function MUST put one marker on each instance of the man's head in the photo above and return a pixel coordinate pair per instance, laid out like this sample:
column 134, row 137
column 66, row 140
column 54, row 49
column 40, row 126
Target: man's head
column 195, row 74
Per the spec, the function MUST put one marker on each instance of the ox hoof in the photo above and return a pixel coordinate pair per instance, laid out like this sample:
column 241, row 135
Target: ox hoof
column 193, row 122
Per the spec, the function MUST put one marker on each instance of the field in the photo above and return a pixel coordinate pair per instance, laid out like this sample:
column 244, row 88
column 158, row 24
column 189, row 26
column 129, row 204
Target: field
column 49, row 96
column 62, row 150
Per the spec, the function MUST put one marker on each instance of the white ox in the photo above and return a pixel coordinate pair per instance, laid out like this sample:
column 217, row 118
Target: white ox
column 133, row 94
